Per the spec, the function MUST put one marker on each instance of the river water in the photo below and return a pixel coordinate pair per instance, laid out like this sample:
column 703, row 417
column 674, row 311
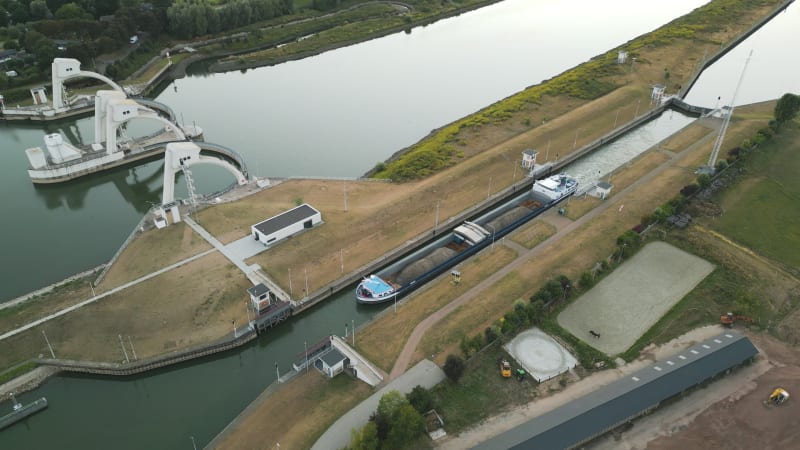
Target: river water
column 162, row 409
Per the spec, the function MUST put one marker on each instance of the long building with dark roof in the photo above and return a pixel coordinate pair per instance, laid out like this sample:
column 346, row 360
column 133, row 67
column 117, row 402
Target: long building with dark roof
column 592, row 415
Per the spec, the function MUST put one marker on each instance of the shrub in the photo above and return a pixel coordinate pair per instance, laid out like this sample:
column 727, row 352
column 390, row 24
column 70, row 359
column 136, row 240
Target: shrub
column 491, row 333
column 689, row 189
column 454, row 367
column 704, row 180
column 421, row 399
column 586, row 280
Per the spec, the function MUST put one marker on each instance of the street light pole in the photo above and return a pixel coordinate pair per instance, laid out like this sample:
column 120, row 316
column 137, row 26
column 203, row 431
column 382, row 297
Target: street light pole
column 341, row 259
column 291, row 292
column 489, row 190
column 305, row 345
column 493, row 232
column 127, row 360
column 353, row 322
column 305, row 270
column 52, row 353
column 133, row 350
column 194, row 446
column 436, row 219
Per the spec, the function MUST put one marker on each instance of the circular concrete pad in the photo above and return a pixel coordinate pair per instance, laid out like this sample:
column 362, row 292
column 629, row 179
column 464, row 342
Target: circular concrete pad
column 539, row 354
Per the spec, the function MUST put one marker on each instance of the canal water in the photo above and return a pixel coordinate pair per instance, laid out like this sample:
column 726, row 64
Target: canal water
column 162, row 409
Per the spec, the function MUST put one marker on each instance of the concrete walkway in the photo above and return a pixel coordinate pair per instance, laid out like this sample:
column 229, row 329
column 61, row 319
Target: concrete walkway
column 411, row 345
column 425, row 373
column 228, row 253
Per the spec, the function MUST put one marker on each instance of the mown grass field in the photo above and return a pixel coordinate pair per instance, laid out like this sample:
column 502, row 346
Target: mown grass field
column 762, row 213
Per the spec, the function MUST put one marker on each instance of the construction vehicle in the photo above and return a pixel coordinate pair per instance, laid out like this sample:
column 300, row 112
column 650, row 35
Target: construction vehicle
column 505, row 369
column 778, row 396
column 730, row 319
column 521, row 374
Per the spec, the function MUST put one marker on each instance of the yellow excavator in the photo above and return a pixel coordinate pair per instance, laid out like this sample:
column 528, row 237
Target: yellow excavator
column 505, row 369
column 778, row 396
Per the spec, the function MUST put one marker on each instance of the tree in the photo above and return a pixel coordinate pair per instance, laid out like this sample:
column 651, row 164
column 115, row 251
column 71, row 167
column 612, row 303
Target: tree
column 787, row 108
column 454, row 367
column 421, row 399
column 71, row 11
column 366, row 439
column 405, row 425
column 39, row 10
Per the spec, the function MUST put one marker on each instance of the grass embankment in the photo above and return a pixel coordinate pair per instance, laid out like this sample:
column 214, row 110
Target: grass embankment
column 308, row 406
column 187, row 306
column 151, row 251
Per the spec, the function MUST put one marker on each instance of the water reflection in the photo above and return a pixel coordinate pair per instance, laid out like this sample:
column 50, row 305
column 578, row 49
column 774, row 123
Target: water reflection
column 139, row 186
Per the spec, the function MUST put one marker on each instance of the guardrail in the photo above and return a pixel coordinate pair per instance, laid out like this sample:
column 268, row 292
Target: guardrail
column 98, row 368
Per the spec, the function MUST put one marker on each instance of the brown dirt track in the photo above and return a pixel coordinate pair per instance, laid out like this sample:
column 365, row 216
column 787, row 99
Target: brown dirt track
column 744, row 422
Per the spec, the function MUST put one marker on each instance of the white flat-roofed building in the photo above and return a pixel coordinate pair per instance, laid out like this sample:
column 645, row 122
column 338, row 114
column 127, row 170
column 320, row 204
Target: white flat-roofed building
column 286, row 224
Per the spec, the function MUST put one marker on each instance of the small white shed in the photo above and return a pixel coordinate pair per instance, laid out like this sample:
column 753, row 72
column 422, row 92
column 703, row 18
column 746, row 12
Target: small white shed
column 529, row 158
column 333, row 363
column 602, row 190
column 286, row 224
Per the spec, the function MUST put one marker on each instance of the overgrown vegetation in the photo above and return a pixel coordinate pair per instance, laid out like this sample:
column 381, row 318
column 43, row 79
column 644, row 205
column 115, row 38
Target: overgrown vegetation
column 16, row 371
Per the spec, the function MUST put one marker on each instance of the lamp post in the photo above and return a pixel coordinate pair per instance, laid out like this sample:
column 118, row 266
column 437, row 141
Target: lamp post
column 353, row 322
column 194, row 445
column 305, row 345
column 493, row 231
column 436, row 219
column 52, row 353
column 341, row 259
column 305, row 270
column 489, row 190
column 291, row 292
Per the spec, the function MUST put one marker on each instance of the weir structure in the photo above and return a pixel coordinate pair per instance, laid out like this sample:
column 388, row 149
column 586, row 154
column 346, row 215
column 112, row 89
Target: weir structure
column 179, row 156
column 61, row 161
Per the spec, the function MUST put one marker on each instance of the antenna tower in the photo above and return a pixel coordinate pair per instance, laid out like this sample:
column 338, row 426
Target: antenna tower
column 712, row 160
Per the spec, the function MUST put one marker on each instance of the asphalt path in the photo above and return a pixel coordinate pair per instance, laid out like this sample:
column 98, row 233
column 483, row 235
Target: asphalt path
column 425, row 373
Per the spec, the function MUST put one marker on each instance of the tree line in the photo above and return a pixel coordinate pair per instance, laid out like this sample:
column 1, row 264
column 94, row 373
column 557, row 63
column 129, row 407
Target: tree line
column 191, row 18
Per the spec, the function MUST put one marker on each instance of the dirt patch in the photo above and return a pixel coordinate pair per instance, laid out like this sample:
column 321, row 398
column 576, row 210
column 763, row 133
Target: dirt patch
column 631, row 299
column 533, row 234
column 728, row 413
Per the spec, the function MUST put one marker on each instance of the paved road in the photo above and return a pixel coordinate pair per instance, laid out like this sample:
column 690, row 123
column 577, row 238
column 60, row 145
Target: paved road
column 425, row 373
column 407, row 353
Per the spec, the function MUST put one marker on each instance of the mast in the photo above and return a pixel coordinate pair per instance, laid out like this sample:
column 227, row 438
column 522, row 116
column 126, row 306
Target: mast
column 712, row 159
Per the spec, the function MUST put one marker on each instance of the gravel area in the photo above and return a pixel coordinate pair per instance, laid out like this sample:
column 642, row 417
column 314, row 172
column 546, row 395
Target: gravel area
column 625, row 304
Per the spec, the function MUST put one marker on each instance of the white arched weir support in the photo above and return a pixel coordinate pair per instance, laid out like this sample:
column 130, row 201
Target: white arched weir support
column 64, row 69
column 180, row 154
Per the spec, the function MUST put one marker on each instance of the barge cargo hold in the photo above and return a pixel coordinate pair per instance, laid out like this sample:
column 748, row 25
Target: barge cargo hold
column 406, row 275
